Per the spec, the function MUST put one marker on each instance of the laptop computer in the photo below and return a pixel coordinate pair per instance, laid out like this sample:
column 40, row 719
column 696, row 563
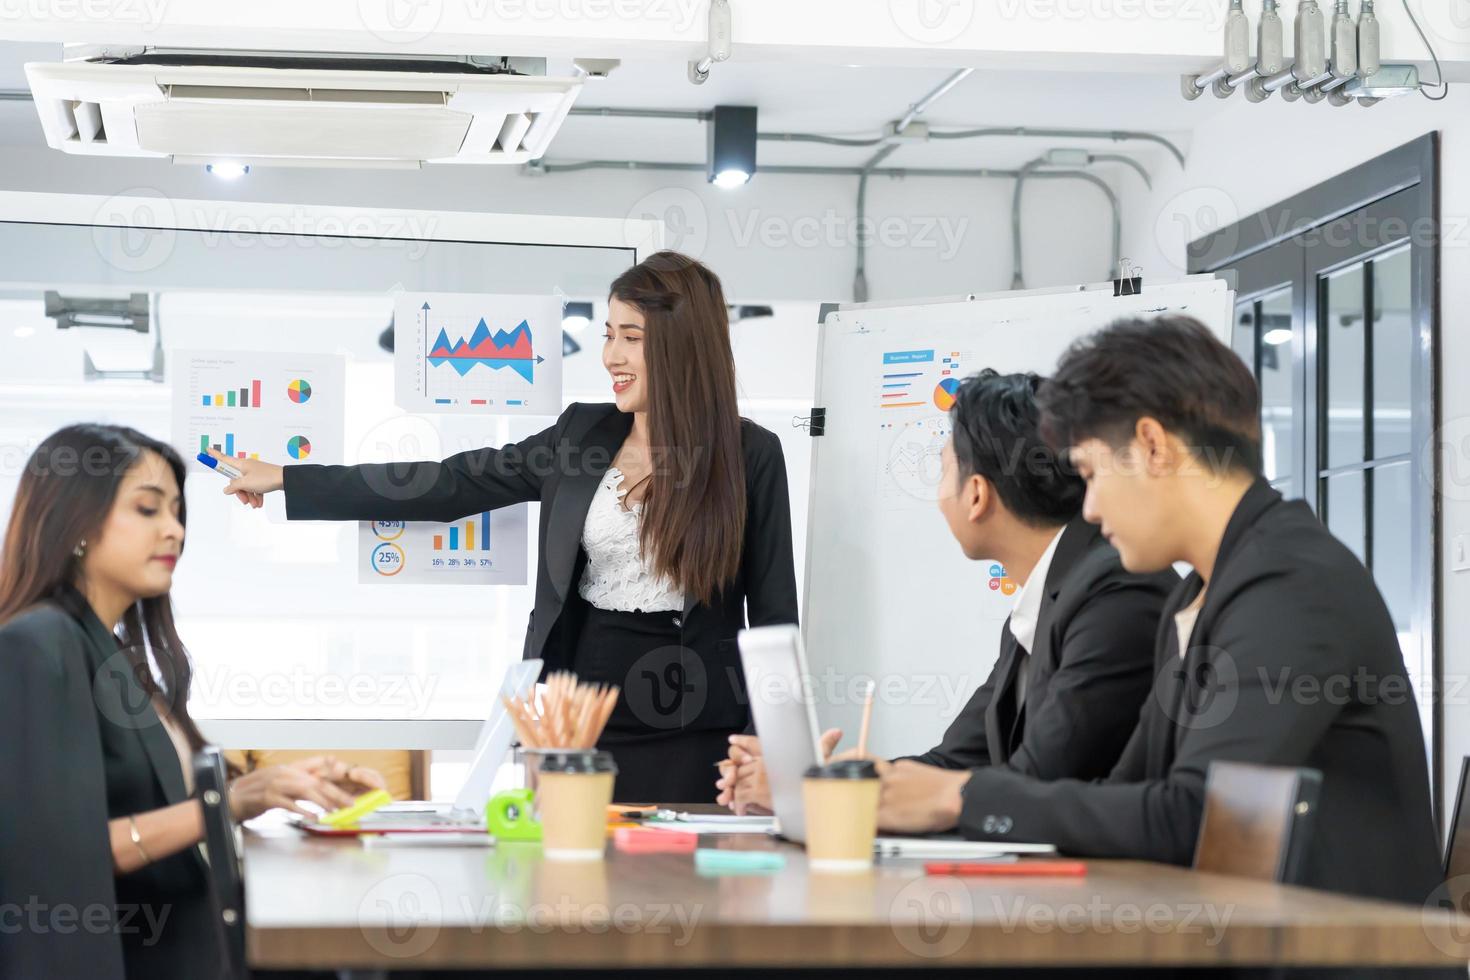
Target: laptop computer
column 774, row 663
column 467, row 811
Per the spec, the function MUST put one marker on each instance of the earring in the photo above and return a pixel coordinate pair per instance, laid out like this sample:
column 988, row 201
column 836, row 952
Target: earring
column 81, row 549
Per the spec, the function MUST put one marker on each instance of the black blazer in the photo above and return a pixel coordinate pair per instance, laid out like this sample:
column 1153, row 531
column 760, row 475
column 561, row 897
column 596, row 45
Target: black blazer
column 1293, row 661
column 1087, row 677
column 91, row 748
column 562, row 467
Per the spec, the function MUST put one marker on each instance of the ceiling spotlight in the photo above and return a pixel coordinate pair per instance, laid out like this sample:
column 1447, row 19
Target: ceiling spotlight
column 1277, row 337
column 730, row 178
column 24, row 332
column 227, row 169
column 576, row 317
column 732, row 141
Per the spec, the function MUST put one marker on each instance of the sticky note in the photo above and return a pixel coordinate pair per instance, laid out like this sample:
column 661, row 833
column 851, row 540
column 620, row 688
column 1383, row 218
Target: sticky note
column 708, row 860
column 639, row 840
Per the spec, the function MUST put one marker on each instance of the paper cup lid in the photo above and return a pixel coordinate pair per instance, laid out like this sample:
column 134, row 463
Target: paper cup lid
column 845, row 769
column 576, row 761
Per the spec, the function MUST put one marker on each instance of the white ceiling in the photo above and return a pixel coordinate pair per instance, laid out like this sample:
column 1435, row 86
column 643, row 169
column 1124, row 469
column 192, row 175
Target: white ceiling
column 833, row 100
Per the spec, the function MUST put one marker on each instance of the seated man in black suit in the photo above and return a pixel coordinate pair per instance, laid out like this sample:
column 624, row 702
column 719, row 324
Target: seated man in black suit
column 1075, row 658
column 1276, row 650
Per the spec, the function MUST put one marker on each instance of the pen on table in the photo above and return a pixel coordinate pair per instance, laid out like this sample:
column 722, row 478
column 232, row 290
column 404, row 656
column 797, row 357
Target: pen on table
column 862, row 749
column 1015, row 869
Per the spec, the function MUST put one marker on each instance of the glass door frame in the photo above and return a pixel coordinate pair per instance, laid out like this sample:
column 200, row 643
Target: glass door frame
column 1379, row 205
column 1258, row 276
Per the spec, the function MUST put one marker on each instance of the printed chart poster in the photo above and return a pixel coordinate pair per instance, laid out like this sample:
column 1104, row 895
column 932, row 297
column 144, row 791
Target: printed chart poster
column 286, row 408
column 476, row 353
column 914, row 391
column 488, row 548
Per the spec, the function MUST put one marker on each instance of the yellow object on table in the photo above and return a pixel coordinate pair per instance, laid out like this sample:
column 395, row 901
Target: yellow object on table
column 348, row 816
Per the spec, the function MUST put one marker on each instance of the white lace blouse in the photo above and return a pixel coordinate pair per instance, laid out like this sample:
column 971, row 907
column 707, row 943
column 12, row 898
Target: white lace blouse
column 616, row 577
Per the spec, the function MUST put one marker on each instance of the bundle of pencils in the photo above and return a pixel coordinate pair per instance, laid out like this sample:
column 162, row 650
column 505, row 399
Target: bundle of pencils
column 571, row 715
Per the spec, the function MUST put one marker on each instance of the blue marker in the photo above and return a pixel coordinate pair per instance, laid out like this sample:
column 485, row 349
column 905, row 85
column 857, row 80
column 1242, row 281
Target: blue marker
column 219, row 466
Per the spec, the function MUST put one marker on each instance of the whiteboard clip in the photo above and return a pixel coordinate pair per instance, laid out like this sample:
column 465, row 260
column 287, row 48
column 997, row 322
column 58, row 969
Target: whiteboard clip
column 1129, row 281
column 815, row 424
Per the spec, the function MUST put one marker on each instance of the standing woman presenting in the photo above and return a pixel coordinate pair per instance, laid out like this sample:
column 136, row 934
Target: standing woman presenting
column 665, row 525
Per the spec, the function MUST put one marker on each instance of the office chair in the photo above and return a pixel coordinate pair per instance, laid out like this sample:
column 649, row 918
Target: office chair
column 227, row 888
column 1257, row 820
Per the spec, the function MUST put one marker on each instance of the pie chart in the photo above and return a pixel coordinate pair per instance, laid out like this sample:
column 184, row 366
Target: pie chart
column 944, row 393
column 298, row 447
column 299, row 391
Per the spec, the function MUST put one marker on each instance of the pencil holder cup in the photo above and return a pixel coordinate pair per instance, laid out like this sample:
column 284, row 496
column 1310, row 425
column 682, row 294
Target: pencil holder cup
column 574, row 788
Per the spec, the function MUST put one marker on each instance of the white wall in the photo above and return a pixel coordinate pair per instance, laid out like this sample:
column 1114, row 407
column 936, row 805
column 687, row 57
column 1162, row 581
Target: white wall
column 1251, row 156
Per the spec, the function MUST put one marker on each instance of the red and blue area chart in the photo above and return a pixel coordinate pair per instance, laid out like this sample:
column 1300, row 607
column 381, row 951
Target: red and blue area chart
column 495, row 351
column 477, row 353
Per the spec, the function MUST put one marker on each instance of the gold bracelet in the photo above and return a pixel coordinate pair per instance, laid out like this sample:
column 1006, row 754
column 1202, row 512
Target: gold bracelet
column 137, row 839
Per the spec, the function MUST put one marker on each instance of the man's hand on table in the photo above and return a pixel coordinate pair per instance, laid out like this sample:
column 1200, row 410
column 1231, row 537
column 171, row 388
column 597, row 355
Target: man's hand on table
column 919, row 799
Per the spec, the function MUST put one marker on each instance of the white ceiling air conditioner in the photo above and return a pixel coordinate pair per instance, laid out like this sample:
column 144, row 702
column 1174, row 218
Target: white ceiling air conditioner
column 298, row 116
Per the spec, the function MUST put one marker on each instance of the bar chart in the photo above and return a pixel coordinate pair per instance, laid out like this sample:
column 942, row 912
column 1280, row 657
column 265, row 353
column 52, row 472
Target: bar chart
column 226, row 446
column 488, row 548
column 245, row 396
column 453, row 540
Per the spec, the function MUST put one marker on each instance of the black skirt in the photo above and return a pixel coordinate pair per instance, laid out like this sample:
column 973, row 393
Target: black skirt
column 663, row 751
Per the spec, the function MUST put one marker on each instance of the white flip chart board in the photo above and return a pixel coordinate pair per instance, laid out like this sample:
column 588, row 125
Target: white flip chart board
column 889, row 595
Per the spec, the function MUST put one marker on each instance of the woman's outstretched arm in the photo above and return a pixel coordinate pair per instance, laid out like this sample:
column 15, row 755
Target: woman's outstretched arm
column 430, row 490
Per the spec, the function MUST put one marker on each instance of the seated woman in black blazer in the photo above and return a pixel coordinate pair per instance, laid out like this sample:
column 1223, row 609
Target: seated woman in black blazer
column 664, row 522
column 100, row 828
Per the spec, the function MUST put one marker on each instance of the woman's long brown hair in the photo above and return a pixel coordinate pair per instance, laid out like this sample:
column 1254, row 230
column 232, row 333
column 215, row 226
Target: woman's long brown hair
column 66, row 492
column 693, row 527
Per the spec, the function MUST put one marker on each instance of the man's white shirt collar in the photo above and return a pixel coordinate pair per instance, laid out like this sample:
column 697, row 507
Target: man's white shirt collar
column 1027, row 610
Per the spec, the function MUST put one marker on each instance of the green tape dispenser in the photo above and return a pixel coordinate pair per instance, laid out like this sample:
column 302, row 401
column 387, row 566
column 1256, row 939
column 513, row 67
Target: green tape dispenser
column 508, row 816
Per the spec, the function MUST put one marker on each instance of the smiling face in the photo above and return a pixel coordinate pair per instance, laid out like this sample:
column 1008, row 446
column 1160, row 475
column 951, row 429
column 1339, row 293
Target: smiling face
column 142, row 537
column 622, row 355
column 1128, row 497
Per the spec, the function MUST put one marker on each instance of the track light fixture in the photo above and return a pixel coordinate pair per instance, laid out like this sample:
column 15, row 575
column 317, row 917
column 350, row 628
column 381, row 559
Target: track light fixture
column 732, row 140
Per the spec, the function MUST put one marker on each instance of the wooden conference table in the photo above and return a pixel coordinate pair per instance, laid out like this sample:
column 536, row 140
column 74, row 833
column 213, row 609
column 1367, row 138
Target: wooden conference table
column 333, row 903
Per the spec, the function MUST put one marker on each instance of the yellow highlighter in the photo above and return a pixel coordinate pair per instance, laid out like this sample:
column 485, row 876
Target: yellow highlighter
column 347, row 817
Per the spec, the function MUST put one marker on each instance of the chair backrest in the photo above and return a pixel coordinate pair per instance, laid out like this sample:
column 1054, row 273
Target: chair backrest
column 227, row 888
column 1257, row 820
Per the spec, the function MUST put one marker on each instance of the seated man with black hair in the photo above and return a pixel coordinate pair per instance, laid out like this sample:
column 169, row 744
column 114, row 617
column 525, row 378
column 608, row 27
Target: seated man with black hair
column 1278, row 648
column 1076, row 655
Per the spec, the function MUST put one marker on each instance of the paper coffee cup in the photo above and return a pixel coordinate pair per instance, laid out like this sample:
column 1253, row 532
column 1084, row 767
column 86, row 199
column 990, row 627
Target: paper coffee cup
column 841, row 804
column 573, row 791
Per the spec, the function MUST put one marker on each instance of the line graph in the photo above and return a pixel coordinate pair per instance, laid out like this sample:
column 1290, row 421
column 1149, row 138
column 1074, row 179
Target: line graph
column 914, row 456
